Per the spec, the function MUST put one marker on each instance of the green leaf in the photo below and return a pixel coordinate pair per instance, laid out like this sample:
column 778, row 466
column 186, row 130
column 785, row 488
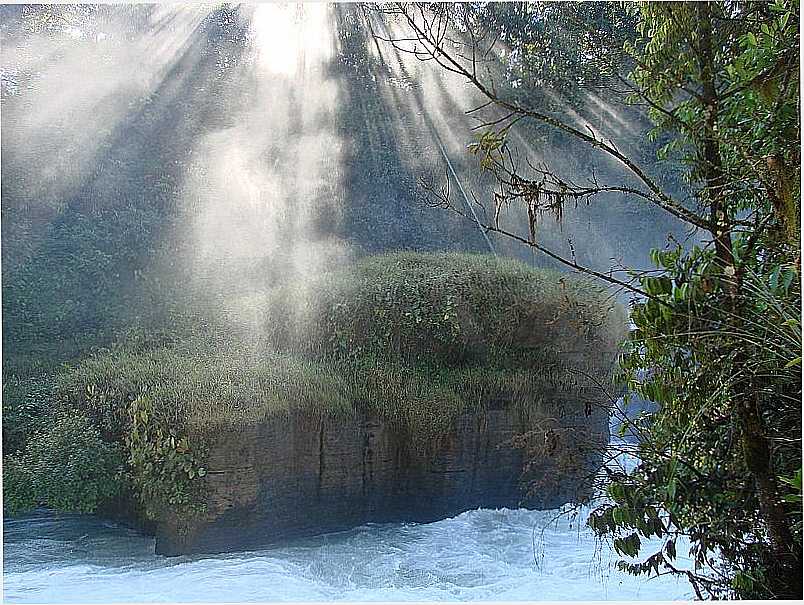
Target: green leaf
column 788, row 278
column 671, row 489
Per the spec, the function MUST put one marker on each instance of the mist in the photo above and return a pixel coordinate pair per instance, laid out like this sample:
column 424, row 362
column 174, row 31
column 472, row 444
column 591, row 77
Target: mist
column 226, row 150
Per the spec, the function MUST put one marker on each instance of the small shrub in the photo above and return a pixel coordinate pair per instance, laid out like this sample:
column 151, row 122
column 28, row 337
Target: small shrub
column 26, row 406
column 18, row 490
column 163, row 465
column 442, row 309
column 66, row 466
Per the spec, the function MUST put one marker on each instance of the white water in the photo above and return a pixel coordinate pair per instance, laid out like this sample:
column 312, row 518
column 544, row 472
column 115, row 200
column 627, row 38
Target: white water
column 499, row 555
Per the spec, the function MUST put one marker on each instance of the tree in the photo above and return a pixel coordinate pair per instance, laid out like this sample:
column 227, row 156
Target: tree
column 717, row 338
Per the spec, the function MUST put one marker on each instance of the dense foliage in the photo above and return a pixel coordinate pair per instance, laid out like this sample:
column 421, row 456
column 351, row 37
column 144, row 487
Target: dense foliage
column 441, row 309
column 555, row 53
column 65, row 466
column 722, row 333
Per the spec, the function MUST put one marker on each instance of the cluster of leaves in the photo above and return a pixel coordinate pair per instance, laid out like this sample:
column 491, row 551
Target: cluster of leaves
column 755, row 62
column 62, row 453
column 52, row 456
column 550, row 51
column 163, row 465
column 25, row 405
column 693, row 465
column 65, row 465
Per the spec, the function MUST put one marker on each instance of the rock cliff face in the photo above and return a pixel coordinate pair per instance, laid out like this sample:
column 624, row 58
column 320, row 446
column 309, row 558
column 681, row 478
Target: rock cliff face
column 302, row 475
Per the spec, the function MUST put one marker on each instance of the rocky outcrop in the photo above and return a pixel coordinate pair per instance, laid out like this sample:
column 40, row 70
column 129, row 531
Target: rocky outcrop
column 304, row 474
column 407, row 387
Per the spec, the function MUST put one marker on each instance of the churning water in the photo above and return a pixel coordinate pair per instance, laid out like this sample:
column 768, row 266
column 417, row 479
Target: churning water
column 493, row 555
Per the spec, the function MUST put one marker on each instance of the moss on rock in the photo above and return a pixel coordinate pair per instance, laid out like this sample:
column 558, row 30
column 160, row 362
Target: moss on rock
column 447, row 309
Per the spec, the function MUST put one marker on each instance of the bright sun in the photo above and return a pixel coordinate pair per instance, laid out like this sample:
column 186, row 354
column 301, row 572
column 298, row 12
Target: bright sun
column 289, row 37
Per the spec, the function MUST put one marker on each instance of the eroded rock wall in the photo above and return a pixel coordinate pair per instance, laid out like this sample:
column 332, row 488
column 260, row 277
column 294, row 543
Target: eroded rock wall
column 303, row 475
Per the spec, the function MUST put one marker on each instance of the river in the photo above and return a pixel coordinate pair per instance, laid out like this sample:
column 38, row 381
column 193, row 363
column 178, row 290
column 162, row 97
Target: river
column 499, row 555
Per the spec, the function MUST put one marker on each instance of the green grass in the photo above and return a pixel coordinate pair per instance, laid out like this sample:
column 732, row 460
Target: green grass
column 446, row 309
column 201, row 387
column 407, row 336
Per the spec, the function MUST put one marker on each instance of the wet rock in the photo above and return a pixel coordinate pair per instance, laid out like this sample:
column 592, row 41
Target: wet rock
column 303, row 475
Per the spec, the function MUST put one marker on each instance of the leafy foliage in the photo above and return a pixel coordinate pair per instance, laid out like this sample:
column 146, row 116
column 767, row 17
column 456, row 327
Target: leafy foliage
column 163, row 465
column 66, row 466
column 721, row 334
column 26, row 402
column 567, row 48
column 551, row 53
